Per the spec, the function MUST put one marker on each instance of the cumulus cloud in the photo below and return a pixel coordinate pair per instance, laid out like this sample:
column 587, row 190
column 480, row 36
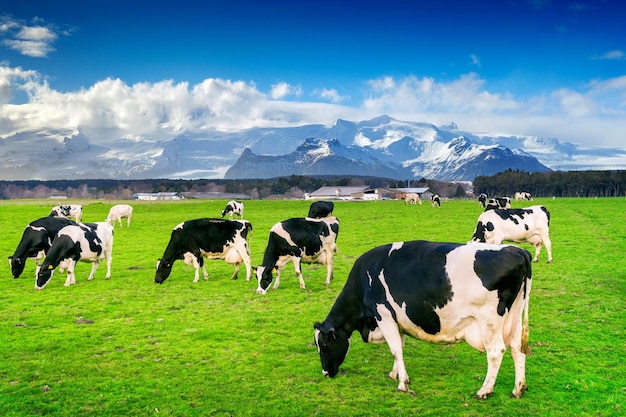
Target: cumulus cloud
column 109, row 109
column 331, row 95
column 282, row 90
column 30, row 40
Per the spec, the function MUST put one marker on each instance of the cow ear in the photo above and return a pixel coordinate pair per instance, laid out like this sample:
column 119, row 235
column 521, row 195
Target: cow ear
column 317, row 325
column 331, row 331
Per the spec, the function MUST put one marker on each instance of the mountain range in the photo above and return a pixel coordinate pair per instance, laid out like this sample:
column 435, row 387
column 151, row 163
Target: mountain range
column 381, row 146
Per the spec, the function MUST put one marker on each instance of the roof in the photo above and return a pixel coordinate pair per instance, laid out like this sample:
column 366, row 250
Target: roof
column 338, row 191
column 418, row 190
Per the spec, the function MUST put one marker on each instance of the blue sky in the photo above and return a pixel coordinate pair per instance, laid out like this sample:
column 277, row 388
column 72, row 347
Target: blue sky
column 540, row 67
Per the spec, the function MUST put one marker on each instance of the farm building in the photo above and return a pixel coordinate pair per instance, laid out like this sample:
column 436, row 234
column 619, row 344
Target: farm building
column 156, row 196
column 336, row 192
column 365, row 192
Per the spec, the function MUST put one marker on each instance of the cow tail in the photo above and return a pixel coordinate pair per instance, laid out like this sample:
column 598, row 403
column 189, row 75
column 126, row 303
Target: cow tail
column 525, row 347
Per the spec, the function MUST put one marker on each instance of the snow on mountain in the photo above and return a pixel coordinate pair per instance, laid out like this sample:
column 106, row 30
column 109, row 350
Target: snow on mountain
column 381, row 146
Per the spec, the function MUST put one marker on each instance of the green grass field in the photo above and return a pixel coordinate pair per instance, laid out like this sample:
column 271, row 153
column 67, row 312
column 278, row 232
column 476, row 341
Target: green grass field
column 127, row 346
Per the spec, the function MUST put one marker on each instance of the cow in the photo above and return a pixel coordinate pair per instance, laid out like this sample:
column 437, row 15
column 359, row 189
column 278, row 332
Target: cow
column 36, row 240
column 119, row 212
column 91, row 242
column 233, row 207
column 437, row 292
column 482, row 200
column 531, row 224
column 498, row 203
column 412, row 198
column 522, row 195
column 210, row 238
column 435, row 201
column 69, row 211
column 298, row 240
column 320, row 209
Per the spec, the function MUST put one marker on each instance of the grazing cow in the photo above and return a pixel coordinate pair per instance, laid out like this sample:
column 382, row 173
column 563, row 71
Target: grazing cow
column 119, row 212
column 233, row 207
column 482, row 199
column 89, row 242
column 412, row 198
column 530, row 225
column 211, row 238
column 520, row 196
column 320, row 209
column 435, row 201
column 437, row 292
column 36, row 241
column 298, row 240
column 69, row 211
column 498, row 203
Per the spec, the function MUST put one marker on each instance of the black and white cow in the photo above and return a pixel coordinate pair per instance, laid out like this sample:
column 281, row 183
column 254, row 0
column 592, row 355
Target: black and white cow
column 523, row 195
column 119, row 212
column 498, row 203
column 320, row 209
column 439, row 293
column 435, row 200
column 207, row 238
column 298, row 240
column 233, row 207
column 36, row 241
column 530, row 225
column 69, row 211
column 482, row 199
column 91, row 242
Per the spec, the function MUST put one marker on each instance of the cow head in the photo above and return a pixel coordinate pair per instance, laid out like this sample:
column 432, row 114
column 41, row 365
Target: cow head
column 480, row 232
column 264, row 277
column 43, row 276
column 17, row 266
column 332, row 345
column 163, row 270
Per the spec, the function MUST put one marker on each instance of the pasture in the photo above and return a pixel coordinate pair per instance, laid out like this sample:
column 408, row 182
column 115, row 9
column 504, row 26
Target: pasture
column 127, row 346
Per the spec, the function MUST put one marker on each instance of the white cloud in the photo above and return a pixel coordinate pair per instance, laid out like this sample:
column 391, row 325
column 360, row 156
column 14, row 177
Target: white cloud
column 616, row 55
column 332, row 95
column 475, row 60
column 34, row 41
column 594, row 114
column 281, row 90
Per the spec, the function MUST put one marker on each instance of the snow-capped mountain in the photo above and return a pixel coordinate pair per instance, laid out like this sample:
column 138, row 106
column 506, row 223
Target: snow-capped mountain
column 456, row 160
column 382, row 146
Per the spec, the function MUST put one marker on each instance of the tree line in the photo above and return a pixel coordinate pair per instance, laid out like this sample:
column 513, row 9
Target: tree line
column 544, row 184
column 554, row 183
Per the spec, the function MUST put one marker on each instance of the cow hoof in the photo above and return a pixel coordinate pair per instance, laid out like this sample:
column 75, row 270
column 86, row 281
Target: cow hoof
column 406, row 391
column 482, row 396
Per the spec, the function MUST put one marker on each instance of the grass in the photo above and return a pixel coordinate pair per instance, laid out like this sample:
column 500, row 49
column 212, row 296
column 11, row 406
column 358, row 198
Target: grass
column 127, row 346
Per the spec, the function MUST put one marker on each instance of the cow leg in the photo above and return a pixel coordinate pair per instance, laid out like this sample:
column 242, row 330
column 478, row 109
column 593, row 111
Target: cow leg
column 298, row 267
column 519, row 359
column 94, row 267
column 329, row 267
column 495, row 348
column 246, row 260
column 109, row 258
column 548, row 244
column 71, row 278
column 236, row 273
column 204, row 272
column 395, row 340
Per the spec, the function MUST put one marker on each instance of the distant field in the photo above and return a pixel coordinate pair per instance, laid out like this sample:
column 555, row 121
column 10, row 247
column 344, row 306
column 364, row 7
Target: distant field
column 218, row 348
